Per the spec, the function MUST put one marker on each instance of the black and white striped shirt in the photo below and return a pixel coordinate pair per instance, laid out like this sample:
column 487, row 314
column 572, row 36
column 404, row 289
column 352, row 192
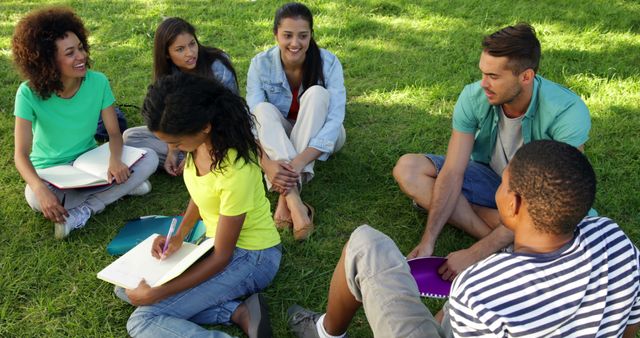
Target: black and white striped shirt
column 588, row 288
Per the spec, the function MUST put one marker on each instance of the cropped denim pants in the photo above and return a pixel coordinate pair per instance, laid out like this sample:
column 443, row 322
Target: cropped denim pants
column 211, row 302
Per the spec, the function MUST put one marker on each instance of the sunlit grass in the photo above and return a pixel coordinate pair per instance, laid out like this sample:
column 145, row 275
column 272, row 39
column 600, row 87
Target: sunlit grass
column 405, row 63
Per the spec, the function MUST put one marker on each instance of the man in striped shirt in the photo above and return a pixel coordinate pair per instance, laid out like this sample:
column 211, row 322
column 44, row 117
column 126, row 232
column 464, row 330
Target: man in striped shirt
column 568, row 276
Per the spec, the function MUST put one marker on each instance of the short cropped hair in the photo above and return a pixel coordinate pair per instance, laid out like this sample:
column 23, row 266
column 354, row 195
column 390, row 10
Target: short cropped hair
column 557, row 182
column 519, row 43
column 34, row 46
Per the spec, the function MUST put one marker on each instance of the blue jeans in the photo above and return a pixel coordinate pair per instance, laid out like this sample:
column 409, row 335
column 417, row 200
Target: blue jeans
column 480, row 181
column 211, row 302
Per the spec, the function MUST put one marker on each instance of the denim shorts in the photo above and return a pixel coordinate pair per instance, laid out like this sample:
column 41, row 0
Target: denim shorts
column 480, row 181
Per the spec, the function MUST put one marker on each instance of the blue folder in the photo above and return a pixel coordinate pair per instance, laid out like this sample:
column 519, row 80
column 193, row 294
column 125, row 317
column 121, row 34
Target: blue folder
column 137, row 230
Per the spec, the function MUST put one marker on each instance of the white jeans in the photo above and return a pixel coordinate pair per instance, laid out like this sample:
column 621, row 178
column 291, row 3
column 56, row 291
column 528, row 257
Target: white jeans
column 282, row 140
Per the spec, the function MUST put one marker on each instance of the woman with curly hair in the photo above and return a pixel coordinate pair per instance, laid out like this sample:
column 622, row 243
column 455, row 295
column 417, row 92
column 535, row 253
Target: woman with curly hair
column 57, row 111
column 176, row 48
column 296, row 92
column 213, row 127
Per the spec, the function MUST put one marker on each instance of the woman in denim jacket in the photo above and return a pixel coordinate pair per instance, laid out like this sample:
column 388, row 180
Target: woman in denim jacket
column 296, row 92
column 176, row 49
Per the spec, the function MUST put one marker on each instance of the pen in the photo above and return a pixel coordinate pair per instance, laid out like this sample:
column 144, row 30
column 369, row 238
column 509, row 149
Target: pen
column 166, row 241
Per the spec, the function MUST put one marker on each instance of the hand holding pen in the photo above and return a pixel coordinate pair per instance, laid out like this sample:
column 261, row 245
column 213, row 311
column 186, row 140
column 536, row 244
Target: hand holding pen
column 163, row 247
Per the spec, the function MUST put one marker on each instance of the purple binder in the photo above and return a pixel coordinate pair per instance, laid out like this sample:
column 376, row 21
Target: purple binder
column 425, row 272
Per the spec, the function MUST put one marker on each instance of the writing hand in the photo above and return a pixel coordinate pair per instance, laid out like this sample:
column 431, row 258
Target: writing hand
column 118, row 171
column 175, row 243
column 456, row 262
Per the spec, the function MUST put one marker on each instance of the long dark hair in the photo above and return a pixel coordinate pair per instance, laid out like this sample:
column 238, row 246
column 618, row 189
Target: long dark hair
column 312, row 67
column 183, row 104
column 166, row 34
column 34, row 46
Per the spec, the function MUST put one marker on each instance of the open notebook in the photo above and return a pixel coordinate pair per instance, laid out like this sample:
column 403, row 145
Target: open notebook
column 425, row 272
column 89, row 169
column 128, row 270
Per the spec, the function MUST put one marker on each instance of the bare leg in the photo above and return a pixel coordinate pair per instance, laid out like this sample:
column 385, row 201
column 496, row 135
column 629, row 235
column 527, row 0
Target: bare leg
column 282, row 210
column 489, row 215
column 342, row 306
column 371, row 273
column 302, row 225
column 240, row 317
column 416, row 176
column 439, row 316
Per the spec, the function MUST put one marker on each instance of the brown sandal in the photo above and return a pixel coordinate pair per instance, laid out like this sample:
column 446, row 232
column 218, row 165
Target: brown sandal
column 302, row 233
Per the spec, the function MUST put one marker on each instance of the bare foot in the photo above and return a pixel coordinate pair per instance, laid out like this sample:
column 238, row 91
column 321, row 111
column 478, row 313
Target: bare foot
column 300, row 214
column 282, row 215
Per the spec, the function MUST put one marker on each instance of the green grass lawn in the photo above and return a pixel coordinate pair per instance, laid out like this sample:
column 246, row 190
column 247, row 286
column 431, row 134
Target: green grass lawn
column 405, row 62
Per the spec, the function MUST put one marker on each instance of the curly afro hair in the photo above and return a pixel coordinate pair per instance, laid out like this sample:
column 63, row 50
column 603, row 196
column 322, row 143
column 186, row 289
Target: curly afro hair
column 558, row 183
column 34, row 46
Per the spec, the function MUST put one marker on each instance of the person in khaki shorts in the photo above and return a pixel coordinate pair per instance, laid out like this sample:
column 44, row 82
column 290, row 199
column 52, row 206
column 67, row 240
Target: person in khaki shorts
column 568, row 275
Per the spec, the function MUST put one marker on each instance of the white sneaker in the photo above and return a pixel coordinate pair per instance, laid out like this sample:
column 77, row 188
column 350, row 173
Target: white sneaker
column 142, row 189
column 77, row 218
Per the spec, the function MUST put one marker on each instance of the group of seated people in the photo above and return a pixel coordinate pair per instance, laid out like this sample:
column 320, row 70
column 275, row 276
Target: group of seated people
column 514, row 177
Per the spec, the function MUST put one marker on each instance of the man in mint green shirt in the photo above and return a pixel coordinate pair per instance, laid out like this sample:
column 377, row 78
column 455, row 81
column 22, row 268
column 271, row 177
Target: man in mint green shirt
column 492, row 119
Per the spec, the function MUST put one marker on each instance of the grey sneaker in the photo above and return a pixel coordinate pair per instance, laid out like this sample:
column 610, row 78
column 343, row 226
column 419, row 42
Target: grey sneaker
column 77, row 218
column 302, row 321
column 143, row 189
column 259, row 323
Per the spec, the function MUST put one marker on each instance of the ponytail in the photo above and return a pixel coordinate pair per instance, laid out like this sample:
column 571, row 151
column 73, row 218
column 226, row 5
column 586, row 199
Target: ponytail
column 312, row 67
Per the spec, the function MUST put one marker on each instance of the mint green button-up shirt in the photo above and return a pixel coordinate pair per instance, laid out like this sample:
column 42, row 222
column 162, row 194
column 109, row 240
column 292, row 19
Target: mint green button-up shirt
column 554, row 113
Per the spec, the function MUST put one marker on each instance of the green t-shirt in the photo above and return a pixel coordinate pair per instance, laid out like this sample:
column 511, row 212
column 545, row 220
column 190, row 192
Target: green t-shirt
column 63, row 129
column 554, row 113
column 237, row 190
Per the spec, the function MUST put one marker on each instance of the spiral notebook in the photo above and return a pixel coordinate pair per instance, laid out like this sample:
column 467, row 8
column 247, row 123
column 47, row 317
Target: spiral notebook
column 425, row 272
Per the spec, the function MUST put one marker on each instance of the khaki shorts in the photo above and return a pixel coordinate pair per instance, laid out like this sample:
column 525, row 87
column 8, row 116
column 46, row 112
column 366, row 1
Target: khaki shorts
column 378, row 276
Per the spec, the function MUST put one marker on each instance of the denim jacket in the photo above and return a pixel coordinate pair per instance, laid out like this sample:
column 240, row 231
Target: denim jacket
column 267, row 82
column 221, row 73
column 224, row 75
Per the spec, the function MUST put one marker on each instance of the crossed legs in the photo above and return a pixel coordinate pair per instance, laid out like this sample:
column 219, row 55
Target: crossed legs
column 284, row 141
column 416, row 176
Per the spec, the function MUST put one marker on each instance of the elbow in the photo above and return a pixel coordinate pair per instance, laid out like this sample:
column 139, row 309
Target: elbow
column 19, row 157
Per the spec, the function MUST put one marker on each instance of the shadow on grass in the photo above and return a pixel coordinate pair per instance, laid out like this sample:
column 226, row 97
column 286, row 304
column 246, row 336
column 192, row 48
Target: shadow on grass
column 614, row 62
column 616, row 159
column 404, row 66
